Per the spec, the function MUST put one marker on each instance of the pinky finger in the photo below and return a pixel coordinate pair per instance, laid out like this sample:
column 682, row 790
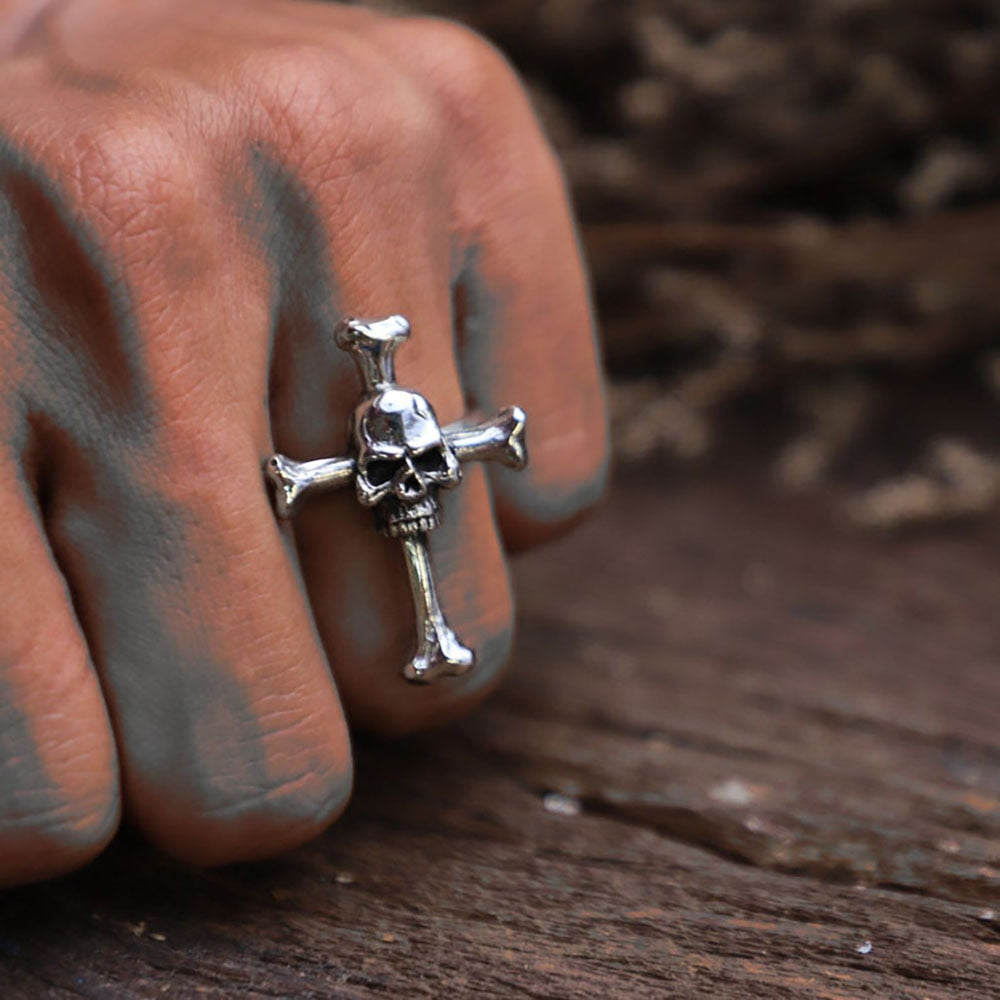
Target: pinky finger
column 523, row 313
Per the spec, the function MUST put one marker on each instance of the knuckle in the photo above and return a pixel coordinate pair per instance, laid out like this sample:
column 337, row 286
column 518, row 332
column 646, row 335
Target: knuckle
column 467, row 74
column 307, row 797
column 59, row 802
column 70, row 824
column 528, row 177
column 46, row 833
column 127, row 167
column 295, row 87
column 229, row 820
column 341, row 107
column 483, row 105
column 398, row 125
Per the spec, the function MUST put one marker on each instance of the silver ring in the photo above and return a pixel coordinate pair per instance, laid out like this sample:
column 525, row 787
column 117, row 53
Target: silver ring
column 401, row 458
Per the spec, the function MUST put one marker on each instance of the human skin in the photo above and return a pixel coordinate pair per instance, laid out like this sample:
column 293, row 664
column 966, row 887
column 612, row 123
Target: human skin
column 192, row 194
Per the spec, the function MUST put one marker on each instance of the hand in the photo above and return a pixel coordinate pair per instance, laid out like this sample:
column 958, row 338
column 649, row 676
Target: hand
column 192, row 194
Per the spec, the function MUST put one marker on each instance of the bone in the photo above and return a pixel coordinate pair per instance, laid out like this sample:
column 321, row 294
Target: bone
column 501, row 439
column 373, row 344
column 439, row 651
column 295, row 480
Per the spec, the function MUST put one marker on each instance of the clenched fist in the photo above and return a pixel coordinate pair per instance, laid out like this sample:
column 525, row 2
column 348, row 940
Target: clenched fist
column 192, row 194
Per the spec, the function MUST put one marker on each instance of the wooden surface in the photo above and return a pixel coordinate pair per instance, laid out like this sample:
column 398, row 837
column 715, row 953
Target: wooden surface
column 743, row 753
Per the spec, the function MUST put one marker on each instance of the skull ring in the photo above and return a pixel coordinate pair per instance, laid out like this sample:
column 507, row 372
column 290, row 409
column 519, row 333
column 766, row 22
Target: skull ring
column 401, row 458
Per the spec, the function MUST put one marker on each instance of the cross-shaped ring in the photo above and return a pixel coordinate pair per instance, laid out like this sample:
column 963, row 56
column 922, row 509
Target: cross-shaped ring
column 401, row 458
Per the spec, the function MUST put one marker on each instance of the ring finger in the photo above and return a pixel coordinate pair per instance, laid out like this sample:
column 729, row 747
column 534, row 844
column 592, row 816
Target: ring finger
column 394, row 256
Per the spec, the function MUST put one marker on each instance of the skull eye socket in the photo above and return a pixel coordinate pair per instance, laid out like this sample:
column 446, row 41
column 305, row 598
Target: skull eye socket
column 432, row 461
column 380, row 472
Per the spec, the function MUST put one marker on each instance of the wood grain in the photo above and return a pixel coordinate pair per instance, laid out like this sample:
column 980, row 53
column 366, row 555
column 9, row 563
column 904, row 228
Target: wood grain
column 743, row 753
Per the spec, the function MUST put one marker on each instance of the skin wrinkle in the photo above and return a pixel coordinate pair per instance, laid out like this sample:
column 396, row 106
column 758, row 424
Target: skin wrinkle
column 32, row 799
column 64, row 822
column 30, row 794
column 21, row 765
column 337, row 784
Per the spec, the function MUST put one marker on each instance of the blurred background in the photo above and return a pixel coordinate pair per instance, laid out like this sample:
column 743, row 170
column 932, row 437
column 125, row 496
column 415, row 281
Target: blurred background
column 792, row 215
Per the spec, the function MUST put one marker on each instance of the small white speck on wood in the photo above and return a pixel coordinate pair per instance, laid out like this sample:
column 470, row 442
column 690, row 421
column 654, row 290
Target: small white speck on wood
column 561, row 805
column 733, row 792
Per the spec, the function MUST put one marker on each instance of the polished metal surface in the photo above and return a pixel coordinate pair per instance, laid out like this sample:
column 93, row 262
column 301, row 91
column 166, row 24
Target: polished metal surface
column 439, row 651
column 401, row 459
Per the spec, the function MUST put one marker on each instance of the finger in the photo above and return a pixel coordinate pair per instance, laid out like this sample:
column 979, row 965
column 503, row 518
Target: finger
column 231, row 737
column 526, row 326
column 385, row 239
column 58, row 772
column 230, row 732
column 59, row 801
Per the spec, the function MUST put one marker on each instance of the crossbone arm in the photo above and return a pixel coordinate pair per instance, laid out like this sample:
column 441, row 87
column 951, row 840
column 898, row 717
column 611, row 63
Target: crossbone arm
column 500, row 439
column 295, row 480
column 439, row 651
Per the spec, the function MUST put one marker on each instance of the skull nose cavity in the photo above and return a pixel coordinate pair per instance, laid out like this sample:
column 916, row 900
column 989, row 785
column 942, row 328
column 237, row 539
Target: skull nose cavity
column 409, row 484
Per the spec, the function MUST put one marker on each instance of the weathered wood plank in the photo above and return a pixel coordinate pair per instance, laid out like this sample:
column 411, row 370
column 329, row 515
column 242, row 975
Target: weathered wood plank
column 776, row 742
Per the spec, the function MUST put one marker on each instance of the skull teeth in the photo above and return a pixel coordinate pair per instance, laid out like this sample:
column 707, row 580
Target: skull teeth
column 409, row 526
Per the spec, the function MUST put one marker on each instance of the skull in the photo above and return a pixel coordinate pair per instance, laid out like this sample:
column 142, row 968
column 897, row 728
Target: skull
column 402, row 461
